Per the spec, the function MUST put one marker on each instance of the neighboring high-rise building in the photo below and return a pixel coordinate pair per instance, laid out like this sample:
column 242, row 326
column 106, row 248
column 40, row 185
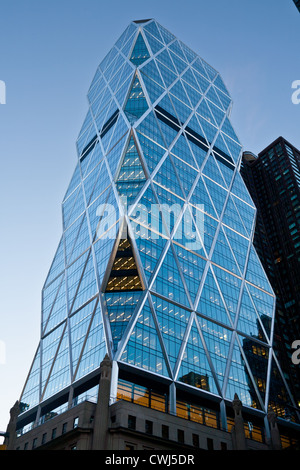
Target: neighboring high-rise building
column 297, row 3
column 273, row 179
column 156, row 272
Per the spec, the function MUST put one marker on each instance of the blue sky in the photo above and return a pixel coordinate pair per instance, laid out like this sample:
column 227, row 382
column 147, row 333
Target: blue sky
column 49, row 52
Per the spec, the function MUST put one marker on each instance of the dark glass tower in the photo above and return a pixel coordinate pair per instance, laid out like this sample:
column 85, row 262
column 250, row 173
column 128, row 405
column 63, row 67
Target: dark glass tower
column 156, row 265
column 273, row 179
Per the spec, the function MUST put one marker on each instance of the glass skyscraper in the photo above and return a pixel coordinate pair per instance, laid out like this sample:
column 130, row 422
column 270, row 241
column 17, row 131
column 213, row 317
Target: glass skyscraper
column 156, row 265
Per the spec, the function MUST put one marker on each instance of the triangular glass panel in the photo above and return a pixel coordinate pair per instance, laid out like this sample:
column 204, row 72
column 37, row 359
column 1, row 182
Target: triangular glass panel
column 193, row 95
column 182, row 150
column 179, row 92
column 211, row 304
column 239, row 188
column 204, row 111
column 82, row 240
column 188, row 77
column 49, row 349
column 207, row 227
column 222, row 254
column 87, row 287
column 232, row 218
column 248, row 212
column 175, row 47
column 154, row 90
column 94, row 347
column 228, row 129
column 149, row 128
column 166, row 35
column 152, row 152
column 187, row 174
column 165, row 58
column 239, row 246
column 79, row 326
column 264, row 304
column 114, row 157
column 49, row 294
column 168, row 281
column 136, row 104
column 150, row 246
column 255, row 272
column 239, row 380
column 248, row 321
column 76, row 178
column 31, row 392
column 60, row 375
column 220, row 84
column 212, row 170
column 172, row 321
column 150, row 69
column 74, row 276
column 131, row 176
column 230, row 287
column 279, row 398
column 59, row 309
column 58, row 263
column 217, row 339
column 124, row 275
column 213, row 97
column 167, row 177
column 257, row 357
column 192, row 267
column 217, row 193
column 179, row 64
column 168, row 76
column 209, row 130
column 120, row 308
column 140, row 52
column 182, row 110
column 234, row 148
column 143, row 349
column 201, row 197
column 103, row 248
column 145, row 215
column 171, row 207
column 152, row 28
column 155, row 45
column 195, row 369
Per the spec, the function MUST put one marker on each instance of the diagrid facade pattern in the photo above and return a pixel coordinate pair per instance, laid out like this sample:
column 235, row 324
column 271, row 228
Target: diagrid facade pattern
column 156, row 265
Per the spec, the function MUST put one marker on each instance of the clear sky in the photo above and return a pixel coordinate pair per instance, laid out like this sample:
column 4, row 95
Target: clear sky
column 49, row 52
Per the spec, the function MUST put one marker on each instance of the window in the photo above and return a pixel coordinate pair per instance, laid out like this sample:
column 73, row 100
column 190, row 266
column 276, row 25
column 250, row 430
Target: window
column 131, row 422
column 44, row 437
column 26, row 446
column 53, row 435
column 75, row 422
column 148, row 427
column 180, row 436
column 64, row 428
column 129, row 446
column 196, row 440
column 210, row 444
column 223, row 446
column 34, row 443
column 165, row 431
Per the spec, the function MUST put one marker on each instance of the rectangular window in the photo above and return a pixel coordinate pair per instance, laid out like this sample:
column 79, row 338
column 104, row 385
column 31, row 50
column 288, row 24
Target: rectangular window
column 75, row 422
column 148, row 427
column 165, row 431
column 44, row 438
column 180, row 436
column 64, row 428
column 210, row 444
column 34, row 443
column 131, row 422
column 196, row 440
column 53, row 434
